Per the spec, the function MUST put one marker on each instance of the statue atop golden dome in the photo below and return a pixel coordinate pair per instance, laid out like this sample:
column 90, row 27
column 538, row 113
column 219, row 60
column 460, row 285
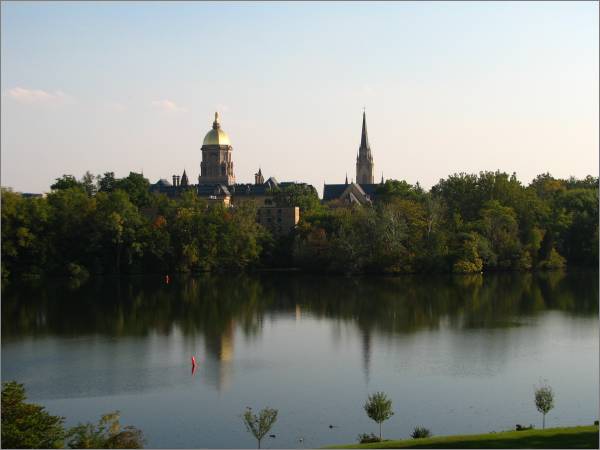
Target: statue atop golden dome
column 216, row 136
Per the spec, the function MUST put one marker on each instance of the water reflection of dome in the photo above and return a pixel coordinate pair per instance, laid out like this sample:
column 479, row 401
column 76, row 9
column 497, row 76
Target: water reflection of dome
column 220, row 348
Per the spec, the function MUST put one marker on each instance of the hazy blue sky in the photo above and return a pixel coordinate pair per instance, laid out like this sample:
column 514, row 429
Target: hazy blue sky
column 448, row 87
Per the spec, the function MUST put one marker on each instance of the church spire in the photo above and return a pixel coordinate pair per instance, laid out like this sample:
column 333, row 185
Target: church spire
column 346, row 177
column 216, row 123
column 364, row 160
column 364, row 138
column 184, row 179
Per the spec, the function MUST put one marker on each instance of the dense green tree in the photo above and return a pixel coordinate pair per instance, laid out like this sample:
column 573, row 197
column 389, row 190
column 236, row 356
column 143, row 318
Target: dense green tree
column 27, row 425
column 89, row 183
column 136, row 187
column 303, row 196
column 399, row 189
column 66, row 182
column 107, row 182
column 498, row 224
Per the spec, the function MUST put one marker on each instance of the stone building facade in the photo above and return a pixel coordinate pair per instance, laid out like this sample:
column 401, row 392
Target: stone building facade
column 279, row 221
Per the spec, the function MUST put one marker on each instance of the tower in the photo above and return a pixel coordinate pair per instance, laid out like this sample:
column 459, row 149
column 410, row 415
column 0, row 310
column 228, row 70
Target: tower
column 258, row 177
column 184, row 179
column 217, row 164
column 364, row 160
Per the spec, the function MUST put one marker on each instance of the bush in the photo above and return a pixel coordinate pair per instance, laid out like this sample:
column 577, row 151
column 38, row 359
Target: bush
column 27, row 425
column 107, row 433
column 367, row 438
column 420, row 432
column 520, row 427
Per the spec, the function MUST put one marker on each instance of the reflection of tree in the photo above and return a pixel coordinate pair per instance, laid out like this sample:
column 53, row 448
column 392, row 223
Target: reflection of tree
column 213, row 306
column 366, row 351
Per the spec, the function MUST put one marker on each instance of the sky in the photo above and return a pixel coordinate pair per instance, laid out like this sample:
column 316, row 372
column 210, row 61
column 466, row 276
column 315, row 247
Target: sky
column 447, row 87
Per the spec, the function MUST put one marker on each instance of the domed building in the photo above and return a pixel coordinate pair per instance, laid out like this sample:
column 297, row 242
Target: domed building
column 216, row 184
column 217, row 164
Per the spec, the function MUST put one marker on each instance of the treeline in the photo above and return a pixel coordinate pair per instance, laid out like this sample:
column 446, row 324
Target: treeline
column 465, row 223
column 108, row 226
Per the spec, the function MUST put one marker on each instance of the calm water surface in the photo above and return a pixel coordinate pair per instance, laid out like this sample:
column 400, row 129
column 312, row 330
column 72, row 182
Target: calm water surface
column 456, row 354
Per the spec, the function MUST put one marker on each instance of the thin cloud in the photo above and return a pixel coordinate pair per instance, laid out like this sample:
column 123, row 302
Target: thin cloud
column 168, row 106
column 23, row 95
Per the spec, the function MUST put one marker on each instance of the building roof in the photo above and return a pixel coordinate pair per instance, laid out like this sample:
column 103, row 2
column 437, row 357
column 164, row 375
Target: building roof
column 250, row 189
column 335, row 191
column 206, row 190
column 216, row 136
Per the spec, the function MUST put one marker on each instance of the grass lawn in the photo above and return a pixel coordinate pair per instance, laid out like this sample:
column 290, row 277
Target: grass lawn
column 570, row 437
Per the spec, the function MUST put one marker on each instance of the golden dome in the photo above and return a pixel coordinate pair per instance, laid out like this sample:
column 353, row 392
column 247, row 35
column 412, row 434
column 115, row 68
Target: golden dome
column 216, row 136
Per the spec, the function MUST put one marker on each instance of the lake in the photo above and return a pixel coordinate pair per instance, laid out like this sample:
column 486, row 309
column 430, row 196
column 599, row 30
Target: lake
column 457, row 354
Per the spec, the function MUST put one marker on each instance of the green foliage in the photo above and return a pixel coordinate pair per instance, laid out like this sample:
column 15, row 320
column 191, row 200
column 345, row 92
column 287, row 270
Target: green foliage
column 420, row 433
column 467, row 223
column 27, row 425
column 399, row 189
column 259, row 425
column 544, row 401
column 66, row 182
column 107, row 433
column 379, row 408
column 301, row 195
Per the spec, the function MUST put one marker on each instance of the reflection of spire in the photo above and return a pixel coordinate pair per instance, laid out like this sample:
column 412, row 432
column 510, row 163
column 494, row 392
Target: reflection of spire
column 366, row 349
column 298, row 312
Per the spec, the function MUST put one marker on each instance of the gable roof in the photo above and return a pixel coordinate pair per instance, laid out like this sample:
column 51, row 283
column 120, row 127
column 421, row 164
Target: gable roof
column 335, row 191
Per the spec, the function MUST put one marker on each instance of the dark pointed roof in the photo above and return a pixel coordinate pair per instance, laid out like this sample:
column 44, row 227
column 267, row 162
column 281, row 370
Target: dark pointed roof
column 184, row 179
column 364, row 138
